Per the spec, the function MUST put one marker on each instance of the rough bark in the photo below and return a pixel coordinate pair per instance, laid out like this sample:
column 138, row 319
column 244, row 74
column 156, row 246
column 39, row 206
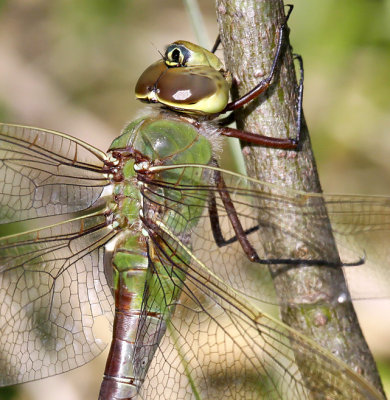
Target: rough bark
column 248, row 31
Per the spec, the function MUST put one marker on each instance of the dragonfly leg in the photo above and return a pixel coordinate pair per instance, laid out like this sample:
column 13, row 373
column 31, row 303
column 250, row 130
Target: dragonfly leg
column 260, row 140
column 234, row 220
column 241, row 234
column 216, row 44
column 216, row 227
column 265, row 83
column 267, row 141
column 255, row 138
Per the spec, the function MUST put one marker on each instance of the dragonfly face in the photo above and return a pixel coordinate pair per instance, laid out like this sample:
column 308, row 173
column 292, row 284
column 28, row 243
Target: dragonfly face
column 188, row 79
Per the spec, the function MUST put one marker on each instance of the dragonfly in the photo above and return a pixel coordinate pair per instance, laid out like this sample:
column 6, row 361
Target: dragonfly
column 158, row 239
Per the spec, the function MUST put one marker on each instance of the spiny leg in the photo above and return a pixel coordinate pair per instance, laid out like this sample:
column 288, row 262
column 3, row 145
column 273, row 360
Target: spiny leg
column 267, row 141
column 241, row 234
column 216, row 226
column 216, row 44
column 265, row 83
column 262, row 140
column 300, row 97
column 234, row 220
column 237, row 227
column 231, row 118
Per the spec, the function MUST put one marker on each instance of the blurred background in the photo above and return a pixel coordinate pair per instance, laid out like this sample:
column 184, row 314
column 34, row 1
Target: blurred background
column 72, row 66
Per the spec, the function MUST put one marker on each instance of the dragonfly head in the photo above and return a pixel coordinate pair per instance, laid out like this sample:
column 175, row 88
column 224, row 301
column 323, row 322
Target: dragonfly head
column 188, row 79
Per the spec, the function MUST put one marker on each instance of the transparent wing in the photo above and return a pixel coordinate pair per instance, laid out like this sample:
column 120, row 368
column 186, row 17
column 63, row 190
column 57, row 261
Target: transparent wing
column 220, row 342
column 52, row 232
column 46, row 173
column 219, row 345
column 360, row 224
column 52, row 287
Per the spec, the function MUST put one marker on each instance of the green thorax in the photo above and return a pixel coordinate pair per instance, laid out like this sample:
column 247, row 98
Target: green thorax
column 165, row 138
column 160, row 140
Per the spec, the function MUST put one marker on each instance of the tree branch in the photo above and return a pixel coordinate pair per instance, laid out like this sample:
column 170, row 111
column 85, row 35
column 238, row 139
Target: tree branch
column 249, row 36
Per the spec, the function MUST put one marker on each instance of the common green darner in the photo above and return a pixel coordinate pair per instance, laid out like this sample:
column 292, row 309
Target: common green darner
column 197, row 331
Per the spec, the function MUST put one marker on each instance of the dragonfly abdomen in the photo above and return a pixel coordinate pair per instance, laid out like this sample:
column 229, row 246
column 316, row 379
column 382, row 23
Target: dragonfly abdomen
column 137, row 329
